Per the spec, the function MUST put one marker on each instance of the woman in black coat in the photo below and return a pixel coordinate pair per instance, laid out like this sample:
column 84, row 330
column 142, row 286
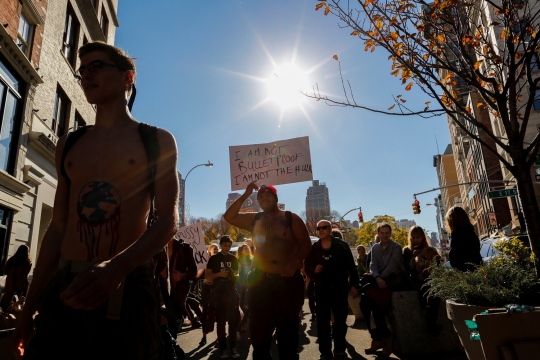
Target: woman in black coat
column 464, row 243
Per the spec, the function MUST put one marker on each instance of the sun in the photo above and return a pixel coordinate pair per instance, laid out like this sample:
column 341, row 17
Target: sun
column 286, row 84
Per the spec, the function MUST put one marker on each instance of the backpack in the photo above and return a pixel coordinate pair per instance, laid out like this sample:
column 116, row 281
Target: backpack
column 149, row 138
column 288, row 218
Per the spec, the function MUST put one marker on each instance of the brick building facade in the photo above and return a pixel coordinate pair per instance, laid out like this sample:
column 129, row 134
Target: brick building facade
column 21, row 38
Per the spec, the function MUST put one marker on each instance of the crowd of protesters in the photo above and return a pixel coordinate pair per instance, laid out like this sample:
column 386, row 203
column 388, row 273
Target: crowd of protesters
column 112, row 282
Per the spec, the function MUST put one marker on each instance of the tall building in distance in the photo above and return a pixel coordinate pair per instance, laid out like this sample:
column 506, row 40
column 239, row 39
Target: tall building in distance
column 250, row 205
column 317, row 201
column 405, row 224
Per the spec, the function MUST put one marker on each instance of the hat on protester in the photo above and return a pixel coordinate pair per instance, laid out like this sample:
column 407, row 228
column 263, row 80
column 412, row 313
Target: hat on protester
column 269, row 188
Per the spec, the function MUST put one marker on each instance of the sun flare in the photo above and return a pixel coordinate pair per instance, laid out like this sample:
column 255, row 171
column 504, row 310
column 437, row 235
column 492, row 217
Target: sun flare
column 285, row 86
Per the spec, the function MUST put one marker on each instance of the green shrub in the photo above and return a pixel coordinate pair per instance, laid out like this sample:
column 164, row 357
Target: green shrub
column 509, row 278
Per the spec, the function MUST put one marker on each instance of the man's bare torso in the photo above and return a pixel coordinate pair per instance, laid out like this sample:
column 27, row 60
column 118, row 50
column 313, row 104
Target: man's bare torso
column 108, row 197
column 274, row 242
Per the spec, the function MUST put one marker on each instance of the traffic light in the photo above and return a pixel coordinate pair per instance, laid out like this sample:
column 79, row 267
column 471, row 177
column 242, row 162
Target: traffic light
column 416, row 207
column 360, row 217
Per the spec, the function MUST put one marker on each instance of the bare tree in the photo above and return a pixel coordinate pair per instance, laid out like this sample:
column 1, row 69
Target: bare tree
column 473, row 58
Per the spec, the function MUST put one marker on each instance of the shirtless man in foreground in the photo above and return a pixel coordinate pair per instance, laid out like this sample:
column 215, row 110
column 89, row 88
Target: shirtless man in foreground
column 276, row 292
column 93, row 285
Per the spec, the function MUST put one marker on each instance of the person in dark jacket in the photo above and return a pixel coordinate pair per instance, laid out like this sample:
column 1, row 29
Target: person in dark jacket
column 464, row 243
column 182, row 268
column 17, row 268
column 331, row 263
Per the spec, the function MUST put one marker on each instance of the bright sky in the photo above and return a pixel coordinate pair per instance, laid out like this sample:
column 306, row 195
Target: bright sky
column 205, row 73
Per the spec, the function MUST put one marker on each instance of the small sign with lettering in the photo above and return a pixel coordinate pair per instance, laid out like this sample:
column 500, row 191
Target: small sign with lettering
column 194, row 235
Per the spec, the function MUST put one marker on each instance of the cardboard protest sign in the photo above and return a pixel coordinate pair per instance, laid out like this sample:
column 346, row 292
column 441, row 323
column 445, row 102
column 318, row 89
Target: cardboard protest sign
column 193, row 234
column 280, row 162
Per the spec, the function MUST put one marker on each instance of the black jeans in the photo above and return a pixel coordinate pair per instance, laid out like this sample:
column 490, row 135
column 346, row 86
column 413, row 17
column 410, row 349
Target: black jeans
column 368, row 306
column 206, row 291
column 64, row 333
column 275, row 303
column 311, row 297
column 331, row 301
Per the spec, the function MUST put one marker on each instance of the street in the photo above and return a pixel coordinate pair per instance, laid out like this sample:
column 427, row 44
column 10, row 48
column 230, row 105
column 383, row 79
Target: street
column 357, row 339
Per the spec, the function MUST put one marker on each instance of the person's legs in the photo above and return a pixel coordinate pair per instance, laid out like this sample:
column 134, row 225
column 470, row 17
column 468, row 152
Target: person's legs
column 365, row 308
column 323, row 323
column 220, row 328
column 287, row 340
column 262, row 321
column 380, row 321
column 289, row 298
column 340, row 309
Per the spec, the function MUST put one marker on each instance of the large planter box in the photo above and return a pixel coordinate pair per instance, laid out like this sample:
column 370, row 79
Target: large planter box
column 409, row 325
column 458, row 313
column 498, row 330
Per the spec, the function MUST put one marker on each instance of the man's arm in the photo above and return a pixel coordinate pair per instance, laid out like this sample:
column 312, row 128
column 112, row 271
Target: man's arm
column 48, row 257
column 395, row 261
column 309, row 263
column 301, row 235
column 93, row 287
column 232, row 216
column 209, row 273
column 374, row 266
column 354, row 280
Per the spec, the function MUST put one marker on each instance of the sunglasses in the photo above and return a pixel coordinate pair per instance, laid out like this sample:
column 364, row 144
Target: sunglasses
column 95, row 66
column 319, row 228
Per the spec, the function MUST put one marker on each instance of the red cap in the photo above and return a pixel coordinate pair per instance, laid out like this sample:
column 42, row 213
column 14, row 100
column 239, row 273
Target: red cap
column 270, row 188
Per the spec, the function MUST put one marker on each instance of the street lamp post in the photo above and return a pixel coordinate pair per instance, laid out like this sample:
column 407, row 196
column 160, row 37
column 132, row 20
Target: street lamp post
column 209, row 164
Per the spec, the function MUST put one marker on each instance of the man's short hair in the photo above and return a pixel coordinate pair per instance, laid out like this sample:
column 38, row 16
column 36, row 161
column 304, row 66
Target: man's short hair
column 225, row 239
column 336, row 233
column 383, row 225
column 117, row 55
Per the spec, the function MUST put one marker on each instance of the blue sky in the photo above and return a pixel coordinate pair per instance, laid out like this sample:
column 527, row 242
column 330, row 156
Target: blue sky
column 200, row 66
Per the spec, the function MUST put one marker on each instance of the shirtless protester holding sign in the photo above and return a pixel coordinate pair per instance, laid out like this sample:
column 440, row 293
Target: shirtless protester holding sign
column 276, row 287
column 93, row 286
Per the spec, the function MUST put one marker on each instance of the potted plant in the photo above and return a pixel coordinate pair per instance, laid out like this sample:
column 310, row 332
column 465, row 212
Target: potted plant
column 509, row 278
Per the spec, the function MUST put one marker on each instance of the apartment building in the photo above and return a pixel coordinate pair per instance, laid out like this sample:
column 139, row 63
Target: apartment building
column 21, row 38
column 55, row 104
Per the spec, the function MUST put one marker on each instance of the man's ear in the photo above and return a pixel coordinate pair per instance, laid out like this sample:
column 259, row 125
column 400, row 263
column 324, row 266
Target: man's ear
column 129, row 78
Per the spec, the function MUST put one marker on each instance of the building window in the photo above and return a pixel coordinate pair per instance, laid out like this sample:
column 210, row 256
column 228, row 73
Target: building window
column 24, row 35
column 104, row 23
column 60, row 113
column 79, row 122
column 536, row 102
column 10, row 115
column 5, row 230
column 71, row 33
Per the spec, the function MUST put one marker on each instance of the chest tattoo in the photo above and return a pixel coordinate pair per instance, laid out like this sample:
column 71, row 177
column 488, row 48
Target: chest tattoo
column 98, row 207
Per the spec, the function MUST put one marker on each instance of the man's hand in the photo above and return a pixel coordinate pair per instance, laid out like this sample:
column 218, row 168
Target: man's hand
column 381, row 283
column 177, row 275
column 223, row 273
column 251, row 187
column 19, row 338
column 318, row 269
column 353, row 292
column 93, row 286
column 290, row 268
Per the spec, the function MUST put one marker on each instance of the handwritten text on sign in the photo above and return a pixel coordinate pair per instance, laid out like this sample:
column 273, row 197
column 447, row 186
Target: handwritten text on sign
column 193, row 234
column 280, row 162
